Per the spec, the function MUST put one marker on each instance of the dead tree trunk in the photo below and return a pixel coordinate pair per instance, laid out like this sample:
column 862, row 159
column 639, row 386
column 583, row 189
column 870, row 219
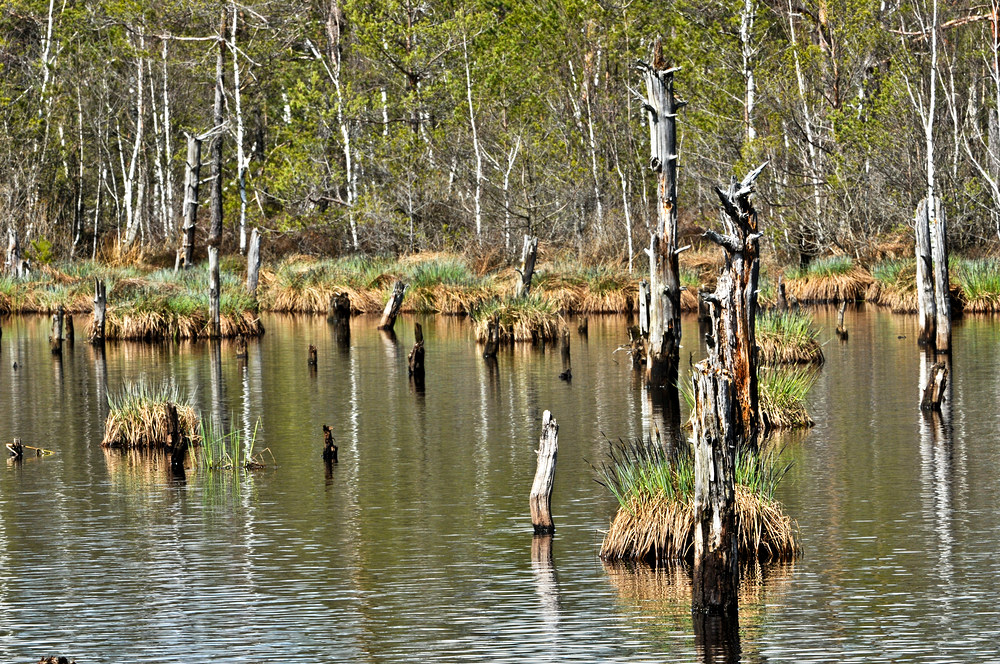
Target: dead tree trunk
column 313, row 361
column 545, row 472
column 734, row 314
column 392, row 306
column 192, row 180
column 100, row 309
column 529, row 252
column 339, row 309
column 16, row 449
column 715, row 579
column 57, row 331
column 782, row 298
column 933, row 393
column 215, row 328
column 15, row 266
column 329, row 447
column 241, row 347
column 939, row 253
column 841, row 329
column 644, row 309
column 68, row 332
column 176, row 442
column 926, row 302
column 663, row 346
column 215, row 148
column 415, row 361
column 253, row 263
column 492, row 338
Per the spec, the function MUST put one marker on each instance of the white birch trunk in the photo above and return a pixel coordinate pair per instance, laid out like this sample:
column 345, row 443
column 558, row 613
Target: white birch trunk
column 475, row 143
column 129, row 180
column 241, row 161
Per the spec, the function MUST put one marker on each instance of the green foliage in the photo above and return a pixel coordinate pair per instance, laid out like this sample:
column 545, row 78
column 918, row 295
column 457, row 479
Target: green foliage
column 41, row 251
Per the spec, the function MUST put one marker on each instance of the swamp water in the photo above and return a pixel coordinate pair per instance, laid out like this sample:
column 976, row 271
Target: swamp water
column 418, row 545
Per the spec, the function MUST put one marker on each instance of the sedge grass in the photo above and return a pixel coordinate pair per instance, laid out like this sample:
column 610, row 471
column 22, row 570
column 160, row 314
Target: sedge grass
column 787, row 337
column 137, row 419
column 782, row 392
column 655, row 494
column 979, row 281
column 828, row 279
column 229, row 450
column 530, row 318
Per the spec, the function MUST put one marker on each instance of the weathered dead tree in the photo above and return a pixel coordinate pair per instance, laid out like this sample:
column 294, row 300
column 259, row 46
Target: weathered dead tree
column 704, row 311
column 841, row 329
column 253, row 263
column 312, row 356
column 217, row 135
column 529, row 253
column 644, row 308
column 938, row 226
column 926, row 302
column 329, row 447
column 176, row 442
column 567, row 372
column 636, row 347
column 663, row 343
column 56, row 339
column 415, row 361
column 68, row 332
column 934, row 388
column 782, row 298
column 492, row 338
column 339, row 309
column 16, row 449
column 214, row 292
column 392, row 306
column 734, row 310
column 16, row 265
column 192, row 180
column 100, row 311
column 717, row 434
column 540, row 499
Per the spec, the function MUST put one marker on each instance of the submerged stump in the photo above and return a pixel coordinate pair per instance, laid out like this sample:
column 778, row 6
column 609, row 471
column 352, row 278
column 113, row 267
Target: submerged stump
column 540, row 499
column 329, row 447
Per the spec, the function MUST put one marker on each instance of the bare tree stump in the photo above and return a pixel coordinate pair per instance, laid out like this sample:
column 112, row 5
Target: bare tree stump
column 16, row 449
column 529, row 253
column 715, row 579
column 567, row 372
column 329, row 448
column 584, row 327
column 68, row 332
column 253, row 263
column 540, row 499
column 392, row 306
column 636, row 348
column 176, row 441
column 492, row 338
column 415, row 361
column 644, row 308
column 933, row 394
column 214, row 292
column 100, row 311
column 339, row 309
column 782, row 298
column 841, row 329
column 312, row 356
column 15, row 264
column 55, row 340
column 937, row 224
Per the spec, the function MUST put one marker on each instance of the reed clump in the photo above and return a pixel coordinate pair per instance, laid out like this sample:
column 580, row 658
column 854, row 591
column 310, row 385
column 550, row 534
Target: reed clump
column 655, row 493
column 787, row 337
column 828, row 279
column 530, row 318
column 979, row 283
column 230, row 449
column 894, row 285
column 782, row 393
column 137, row 418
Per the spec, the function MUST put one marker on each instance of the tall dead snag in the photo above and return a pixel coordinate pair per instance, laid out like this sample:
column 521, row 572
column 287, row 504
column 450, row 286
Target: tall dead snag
column 734, row 311
column 529, row 253
column 663, row 343
column 392, row 306
column 415, row 360
column 253, row 263
column 100, row 310
column 492, row 339
column 338, row 314
column 176, row 441
column 545, row 472
column 192, row 180
column 15, row 264
column 57, row 331
column 926, row 302
column 939, row 253
column 716, row 435
column 215, row 329
column 841, row 328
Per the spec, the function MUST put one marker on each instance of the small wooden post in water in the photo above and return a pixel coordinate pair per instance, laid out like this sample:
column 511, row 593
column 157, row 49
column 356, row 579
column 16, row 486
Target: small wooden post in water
column 584, row 327
column 329, row 448
column 100, row 309
column 16, row 449
column 540, row 499
column 529, row 253
column 567, row 372
column 492, row 338
column 312, row 356
column 339, row 309
column 241, row 347
column 927, row 305
column 176, row 442
column 57, row 331
column 68, row 332
column 934, row 389
column 392, row 306
column 253, row 263
column 416, row 357
column 841, row 330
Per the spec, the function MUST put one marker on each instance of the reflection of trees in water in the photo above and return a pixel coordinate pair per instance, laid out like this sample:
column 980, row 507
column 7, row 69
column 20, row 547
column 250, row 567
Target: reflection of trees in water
column 659, row 600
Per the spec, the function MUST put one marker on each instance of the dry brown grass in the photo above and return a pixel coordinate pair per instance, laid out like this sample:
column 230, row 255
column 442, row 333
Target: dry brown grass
column 145, row 427
column 158, row 326
column 530, row 319
column 849, row 286
column 657, row 528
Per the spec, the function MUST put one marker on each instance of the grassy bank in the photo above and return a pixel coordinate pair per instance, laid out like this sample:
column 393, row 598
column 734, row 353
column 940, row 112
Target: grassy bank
column 137, row 419
column 787, row 337
column 655, row 493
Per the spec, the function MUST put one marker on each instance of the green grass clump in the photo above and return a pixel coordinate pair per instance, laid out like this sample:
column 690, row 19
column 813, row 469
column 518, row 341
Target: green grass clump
column 829, row 266
column 137, row 420
column 979, row 280
column 787, row 337
column 782, row 394
column 229, row 450
column 531, row 318
column 892, row 272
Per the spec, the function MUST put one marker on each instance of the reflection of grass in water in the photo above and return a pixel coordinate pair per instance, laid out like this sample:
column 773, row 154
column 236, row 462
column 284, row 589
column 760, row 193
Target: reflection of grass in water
column 230, row 450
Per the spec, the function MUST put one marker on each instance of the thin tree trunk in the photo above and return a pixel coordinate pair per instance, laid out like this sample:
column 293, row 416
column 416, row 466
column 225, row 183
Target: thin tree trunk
column 939, row 252
column 100, row 310
column 392, row 306
column 215, row 148
column 475, row 143
column 241, row 160
column 215, row 329
column 540, row 499
column 529, row 252
column 133, row 209
column 192, row 180
column 926, row 302
column 253, row 263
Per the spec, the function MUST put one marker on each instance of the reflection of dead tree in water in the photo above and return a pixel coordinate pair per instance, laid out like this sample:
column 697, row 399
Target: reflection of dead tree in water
column 546, row 581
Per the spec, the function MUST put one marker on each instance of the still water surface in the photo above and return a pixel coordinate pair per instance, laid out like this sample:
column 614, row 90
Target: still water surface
column 418, row 545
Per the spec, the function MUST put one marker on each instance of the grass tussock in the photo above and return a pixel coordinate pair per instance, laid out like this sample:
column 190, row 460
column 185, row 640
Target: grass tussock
column 529, row 318
column 979, row 283
column 894, row 285
column 229, row 450
column 787, row 337
column 655, row 493
column 830, row 279
column 136, row 417
column 782, row 392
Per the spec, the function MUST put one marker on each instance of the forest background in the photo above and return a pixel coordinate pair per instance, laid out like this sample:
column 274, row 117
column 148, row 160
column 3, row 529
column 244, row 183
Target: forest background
column 389, row 126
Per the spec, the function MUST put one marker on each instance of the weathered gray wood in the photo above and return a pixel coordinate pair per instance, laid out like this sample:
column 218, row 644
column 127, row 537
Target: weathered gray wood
column 938, row 226
column 56, row 339
column 926, row 302
column 715, row 577
column 540, row 499
column 14, row 262
column 100, row 310
column 704, row 310
column 215, row 328
column 253, row 263
column 734, row 304
column 529, row 253
column 933, row 393
column 192, row 181
column 415, row 361
column 664, row 338
column 392, row 306
column 644, row 308
column 16, row 449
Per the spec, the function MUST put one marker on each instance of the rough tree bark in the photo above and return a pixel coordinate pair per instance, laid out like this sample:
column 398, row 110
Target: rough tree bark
column 56, row 340
column 938, row 226
column 253, row 263
column 215, row 329
column 926, row 303
column 415, row 361
column 734, row 310
column 529, row 253
column 100, row 310
column 192, row 180
column 215, row 148
column 540, row 499
column 392, row 306
column 663, row 344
